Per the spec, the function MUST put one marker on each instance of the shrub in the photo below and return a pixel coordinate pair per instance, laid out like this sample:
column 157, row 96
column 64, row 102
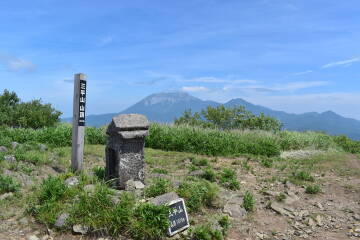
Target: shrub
column 200, row 162
column 267, row 162
column 197, row 193
column 99, row 172
column 149, row 222
column 8, row 184
column 313, row 189
column 158, row 186
column 347, row 144
column 248, row 201
column 52, row 189
column 205, row 232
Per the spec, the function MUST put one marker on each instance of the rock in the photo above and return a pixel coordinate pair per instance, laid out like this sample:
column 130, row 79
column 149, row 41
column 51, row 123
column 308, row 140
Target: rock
column 281, row 210
column 3, row 149
column 80, row 229
column 72, row 181
column 356, row 217
column 196, row 173
column 271, row 193
column 234, row 210
column 32, row 237
column 90, row 188
column 61, row 220
column 14, row 145
column 311, row 223
column 165, row 198
column 132, row 185
column 10, row 158
column 291, row 198
column 320, row 206
column 319, row 220
column 42, row 147
column 47, row 237
column 6, row 195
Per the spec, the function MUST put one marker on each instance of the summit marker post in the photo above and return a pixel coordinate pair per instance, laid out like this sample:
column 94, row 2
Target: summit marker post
column 78, row 130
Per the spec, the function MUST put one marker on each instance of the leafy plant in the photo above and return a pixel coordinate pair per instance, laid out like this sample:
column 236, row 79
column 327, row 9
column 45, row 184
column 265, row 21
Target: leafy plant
column 313, row 189
column 8, row 184
column 228, row 179
column 158, row 186
column 248, row 201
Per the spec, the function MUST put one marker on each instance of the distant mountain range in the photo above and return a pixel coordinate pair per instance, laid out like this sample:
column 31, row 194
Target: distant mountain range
column 165, row 107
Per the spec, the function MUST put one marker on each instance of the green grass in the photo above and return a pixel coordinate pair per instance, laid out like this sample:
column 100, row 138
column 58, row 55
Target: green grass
column 228, row 179
column 313, row 189
column 248, row 201
column 198, row 193
column 8, row 184
column 157, row 187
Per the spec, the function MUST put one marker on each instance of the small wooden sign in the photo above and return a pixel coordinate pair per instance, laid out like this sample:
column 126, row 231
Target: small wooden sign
column 178, row 217
column 82, row 102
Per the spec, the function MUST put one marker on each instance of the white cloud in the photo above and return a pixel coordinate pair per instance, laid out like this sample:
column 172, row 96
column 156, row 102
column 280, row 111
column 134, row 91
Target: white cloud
column 220, row 80
column 16, row 64
column 302, row 73
column 194, row 89
column 339, row 63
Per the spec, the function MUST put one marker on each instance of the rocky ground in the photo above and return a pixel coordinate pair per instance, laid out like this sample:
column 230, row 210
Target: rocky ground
column 283, row 209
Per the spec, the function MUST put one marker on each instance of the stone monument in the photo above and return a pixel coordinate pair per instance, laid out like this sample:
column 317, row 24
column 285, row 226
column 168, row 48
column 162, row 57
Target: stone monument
column 125, row 149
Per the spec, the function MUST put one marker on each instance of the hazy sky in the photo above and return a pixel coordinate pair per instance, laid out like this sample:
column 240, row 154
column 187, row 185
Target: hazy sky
column 289, row 55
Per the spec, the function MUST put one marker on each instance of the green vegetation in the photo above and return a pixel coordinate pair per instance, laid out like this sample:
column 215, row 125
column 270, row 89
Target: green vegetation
column 313, row 189
column 303, row 176
column 157, row 187
column 33, row 114
column 8, row 184
column 228, row 179
column 209, row 175
column 229, row 118
column 280, row 197
column 160, row 171
column 249, row 201
column 197, row 193
column 209, row 232
column 97, row 210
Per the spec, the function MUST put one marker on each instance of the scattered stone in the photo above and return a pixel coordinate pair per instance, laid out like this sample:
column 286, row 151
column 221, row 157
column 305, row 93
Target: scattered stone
column 320, row 206
column 10, row 158
column 47, row 237
column 234, row 210
column 271, row 193
column 90, row 188
column 291, row 198
column 132, row 185
column 61, row 220
column 42, row 147
column 319, row 220
column 196, row 173
column 32, row 237
column 165, row 198
column 6, row 195
column 356, row 217
column 3, row 149
column 187, row 161
column 281, row 210
column 72, row 181
column 311, row 223
column 78, row 228
column 14, row 145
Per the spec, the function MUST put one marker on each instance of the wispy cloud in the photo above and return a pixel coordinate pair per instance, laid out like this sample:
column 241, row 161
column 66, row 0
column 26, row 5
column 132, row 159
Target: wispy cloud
column 287, row 87
column 194, row 89
column 105, row 41
column 15, row 64
column 340, row 63
column 302, row 73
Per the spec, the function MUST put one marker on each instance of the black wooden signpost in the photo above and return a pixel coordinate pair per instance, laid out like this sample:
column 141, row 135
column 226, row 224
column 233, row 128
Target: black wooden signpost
column 178, row 217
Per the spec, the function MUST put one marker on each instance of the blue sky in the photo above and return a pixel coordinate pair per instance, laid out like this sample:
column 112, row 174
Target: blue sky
column 290, row 55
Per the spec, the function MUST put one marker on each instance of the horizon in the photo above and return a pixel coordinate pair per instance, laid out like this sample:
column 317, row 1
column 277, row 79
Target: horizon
column 295, row 57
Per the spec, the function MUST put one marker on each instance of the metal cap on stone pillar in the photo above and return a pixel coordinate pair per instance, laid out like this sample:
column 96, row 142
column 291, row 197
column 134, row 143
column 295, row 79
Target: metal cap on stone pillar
column 125, row 148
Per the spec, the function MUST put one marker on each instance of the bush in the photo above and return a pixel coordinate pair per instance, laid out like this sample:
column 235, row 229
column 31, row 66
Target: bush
column 159, row 186
column 303, row 176
column 347, row 144
column 249, row 201
column 313, row 189
column 8, row 184
column 197, row 193
column 99, row 172
column 200, row 162
column 209, row 175
column 205, row 232
column 31, row 114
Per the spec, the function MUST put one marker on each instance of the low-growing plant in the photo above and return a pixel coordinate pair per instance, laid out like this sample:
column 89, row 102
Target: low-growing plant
column 224, row 222
column 280, row 197
column 206, row 232
column 228, row 179
column 313, row 189
column 157, row 187
column 209, row 175
column 149, row 222
column 160, row 171
column 267, row 162
column 197, row 193
column 99, row 172
column 248, row 201
column 303, row 176
column 200, row 162
column 8, row 184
